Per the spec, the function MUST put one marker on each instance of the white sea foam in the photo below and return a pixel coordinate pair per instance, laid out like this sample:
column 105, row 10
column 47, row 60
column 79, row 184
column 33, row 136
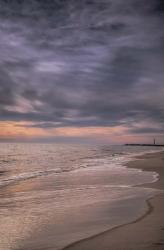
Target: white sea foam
column 72, row 191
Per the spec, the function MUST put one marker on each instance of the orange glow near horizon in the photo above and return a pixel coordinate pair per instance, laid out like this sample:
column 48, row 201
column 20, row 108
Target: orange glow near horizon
column 22, row 130
column 18, row 129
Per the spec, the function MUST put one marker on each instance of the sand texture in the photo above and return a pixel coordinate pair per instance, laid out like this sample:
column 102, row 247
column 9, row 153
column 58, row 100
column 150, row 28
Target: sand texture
column 147, row 232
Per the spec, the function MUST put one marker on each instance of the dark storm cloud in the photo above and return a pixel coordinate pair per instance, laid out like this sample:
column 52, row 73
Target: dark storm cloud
column 82, row 63
column 159, row 6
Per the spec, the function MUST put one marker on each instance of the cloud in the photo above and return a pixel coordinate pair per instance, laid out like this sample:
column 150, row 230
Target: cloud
column 82, row 63
column 6, row 89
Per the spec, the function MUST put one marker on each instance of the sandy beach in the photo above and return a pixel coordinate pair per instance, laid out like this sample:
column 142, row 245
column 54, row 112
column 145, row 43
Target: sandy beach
column 147, row 232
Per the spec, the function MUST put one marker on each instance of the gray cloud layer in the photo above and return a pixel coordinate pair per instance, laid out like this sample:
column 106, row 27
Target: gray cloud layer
column 82, row 63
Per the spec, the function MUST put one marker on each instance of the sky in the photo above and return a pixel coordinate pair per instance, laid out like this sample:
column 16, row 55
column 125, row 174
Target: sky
column 82, row 71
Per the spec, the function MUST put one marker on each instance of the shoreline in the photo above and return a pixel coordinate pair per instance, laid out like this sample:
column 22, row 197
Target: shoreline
column 109, row 239
column 149, row 211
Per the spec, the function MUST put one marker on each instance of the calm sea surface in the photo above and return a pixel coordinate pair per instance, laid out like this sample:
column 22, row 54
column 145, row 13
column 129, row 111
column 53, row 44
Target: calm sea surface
column 52, row 195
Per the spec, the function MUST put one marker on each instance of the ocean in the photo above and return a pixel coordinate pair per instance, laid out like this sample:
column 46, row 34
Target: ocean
column 54, row 194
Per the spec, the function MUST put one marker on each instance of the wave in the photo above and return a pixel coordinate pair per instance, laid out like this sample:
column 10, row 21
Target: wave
column 116, row 159
column 27, row 175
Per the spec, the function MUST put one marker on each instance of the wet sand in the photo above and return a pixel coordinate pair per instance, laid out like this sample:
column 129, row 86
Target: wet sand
column 147, row 232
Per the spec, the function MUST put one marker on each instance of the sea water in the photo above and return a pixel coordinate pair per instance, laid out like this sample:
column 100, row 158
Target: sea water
column 54, row 194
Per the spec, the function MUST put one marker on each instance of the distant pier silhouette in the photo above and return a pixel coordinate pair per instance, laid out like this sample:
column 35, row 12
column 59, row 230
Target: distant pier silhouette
column 146, row 144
